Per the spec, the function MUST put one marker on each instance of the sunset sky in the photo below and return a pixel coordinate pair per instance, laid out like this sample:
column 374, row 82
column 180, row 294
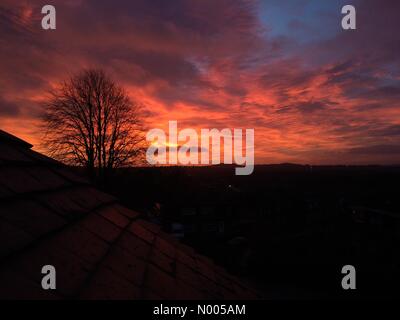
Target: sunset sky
column 313, row 92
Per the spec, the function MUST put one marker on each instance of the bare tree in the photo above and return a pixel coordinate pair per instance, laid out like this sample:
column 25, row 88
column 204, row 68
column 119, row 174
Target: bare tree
column 90, row 121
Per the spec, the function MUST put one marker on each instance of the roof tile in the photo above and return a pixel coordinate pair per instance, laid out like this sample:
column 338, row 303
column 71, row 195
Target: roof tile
column 224, row 281
column 227, row 294
column 188, row 250
column 72, row 203
column 83, row 243
column 186, row 259
column 107, row 285
column 147, row 294
column 206, row 269
column 149, row 226
column 169, row 238
column 160, row 282
column 90, row 198
column 126, row 212
column 126, row 265
column 101, row 227
column 187, row 275
column 47, row 178
column 12, row 238
column 31, row 217
column 162, row 261
column 112, row 215
column 39, row 157
column 185, row 292
column 209, row 288
column 134, row 245
column 19, row 180
column 141, row 232
column 165, row 247
column 71, row 270
column 70, row 176
column 9, row 153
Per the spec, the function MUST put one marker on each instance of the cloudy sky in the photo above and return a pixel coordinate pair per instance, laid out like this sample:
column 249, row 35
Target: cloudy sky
column 313, row 92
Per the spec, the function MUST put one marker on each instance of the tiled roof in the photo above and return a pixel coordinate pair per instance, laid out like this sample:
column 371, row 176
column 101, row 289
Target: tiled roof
column 100, row 249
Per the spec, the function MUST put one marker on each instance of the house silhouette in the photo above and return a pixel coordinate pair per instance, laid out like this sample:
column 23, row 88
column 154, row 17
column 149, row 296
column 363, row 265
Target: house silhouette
column 100, row 249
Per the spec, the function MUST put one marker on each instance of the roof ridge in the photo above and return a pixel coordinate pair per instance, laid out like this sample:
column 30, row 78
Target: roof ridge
column 11, row 139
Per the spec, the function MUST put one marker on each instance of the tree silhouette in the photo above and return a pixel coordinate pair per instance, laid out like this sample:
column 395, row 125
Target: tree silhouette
column 90, row 121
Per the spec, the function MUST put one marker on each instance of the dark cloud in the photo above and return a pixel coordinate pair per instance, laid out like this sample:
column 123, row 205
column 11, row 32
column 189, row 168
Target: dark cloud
column 8, row 108
column 311, row 106
column 385, row 131
column 341, row 67
column 381, row 149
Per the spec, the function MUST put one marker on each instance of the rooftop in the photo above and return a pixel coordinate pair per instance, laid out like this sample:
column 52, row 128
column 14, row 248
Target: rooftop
column 100, row 249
